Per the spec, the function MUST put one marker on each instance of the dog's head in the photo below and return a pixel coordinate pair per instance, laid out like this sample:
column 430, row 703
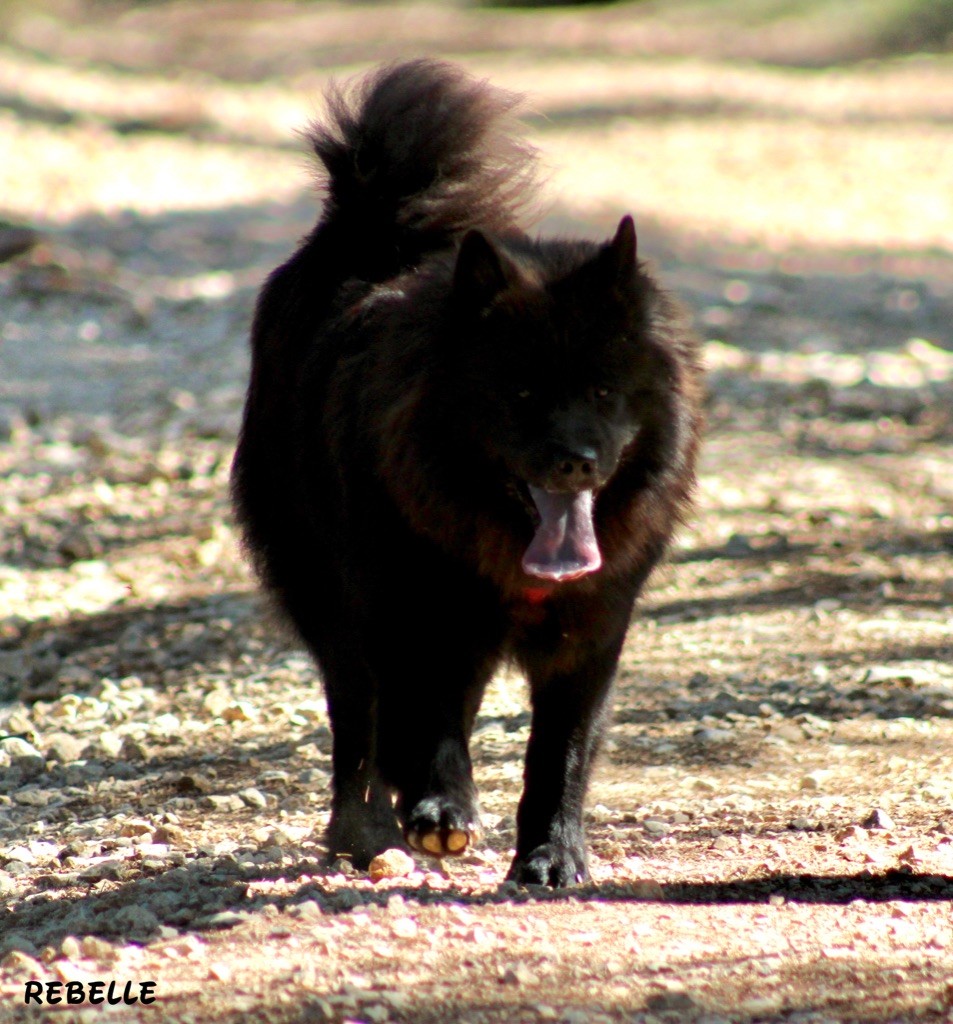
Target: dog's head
column 559, row 358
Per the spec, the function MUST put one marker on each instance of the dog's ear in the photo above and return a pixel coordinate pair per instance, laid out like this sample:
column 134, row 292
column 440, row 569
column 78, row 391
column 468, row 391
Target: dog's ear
column 618, row 257
column 481, row 272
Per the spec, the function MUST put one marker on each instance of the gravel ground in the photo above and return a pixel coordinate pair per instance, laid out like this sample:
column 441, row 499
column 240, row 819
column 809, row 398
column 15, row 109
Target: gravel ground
column 772, row 822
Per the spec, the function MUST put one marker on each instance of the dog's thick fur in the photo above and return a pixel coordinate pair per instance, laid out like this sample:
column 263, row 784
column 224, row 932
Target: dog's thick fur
column 460, row 446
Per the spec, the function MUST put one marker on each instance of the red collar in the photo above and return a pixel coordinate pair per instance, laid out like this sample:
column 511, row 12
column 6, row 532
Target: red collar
column 536, row 595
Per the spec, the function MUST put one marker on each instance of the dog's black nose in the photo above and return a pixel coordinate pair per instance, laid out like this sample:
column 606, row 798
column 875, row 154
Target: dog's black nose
column 577, row 470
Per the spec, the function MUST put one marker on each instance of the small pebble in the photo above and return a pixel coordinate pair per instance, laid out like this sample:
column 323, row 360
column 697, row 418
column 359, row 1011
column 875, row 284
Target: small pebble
column 94, row 948
column 224, row 919
column 671, row 1002
column 391, row 863
column 253, row 798
column 878, row 819
column 813, row 780
column 16, row 962
column 519, row 975
column 223, row 802
column 712, row 736
column 405, row 928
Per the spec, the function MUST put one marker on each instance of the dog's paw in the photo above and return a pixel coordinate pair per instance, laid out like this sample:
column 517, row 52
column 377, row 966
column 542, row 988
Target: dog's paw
column 442, row 827
column 550, row 864
column 360, row 831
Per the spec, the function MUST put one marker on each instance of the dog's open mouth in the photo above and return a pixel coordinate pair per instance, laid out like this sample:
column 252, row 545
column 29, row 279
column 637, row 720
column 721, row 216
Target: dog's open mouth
column 564, row 546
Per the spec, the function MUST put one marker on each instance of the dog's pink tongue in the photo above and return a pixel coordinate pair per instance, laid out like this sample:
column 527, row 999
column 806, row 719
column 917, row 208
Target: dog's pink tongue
column 565, row 545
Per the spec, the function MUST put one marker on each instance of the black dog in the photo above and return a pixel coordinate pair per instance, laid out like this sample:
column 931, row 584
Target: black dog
column 461, row 445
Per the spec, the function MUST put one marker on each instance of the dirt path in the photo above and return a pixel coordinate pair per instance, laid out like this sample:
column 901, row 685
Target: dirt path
column 772, row 822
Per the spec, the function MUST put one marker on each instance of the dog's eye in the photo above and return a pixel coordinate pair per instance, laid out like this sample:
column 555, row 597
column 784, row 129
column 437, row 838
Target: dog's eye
column 602, row 392
column 525, row 393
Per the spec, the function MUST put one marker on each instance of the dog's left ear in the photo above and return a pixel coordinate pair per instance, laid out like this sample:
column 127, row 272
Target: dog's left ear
column 481, row 273
column 618, row 257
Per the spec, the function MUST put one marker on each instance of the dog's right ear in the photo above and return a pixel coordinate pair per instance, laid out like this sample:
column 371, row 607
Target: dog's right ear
column 481, row 272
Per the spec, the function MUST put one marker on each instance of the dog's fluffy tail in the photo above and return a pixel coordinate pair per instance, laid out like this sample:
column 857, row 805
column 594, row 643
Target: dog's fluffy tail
column 416, row 154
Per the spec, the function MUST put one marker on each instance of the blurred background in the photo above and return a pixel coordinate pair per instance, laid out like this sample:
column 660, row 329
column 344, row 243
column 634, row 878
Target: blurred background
column 151, row 171
column 816, row 123
column 150, row 164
